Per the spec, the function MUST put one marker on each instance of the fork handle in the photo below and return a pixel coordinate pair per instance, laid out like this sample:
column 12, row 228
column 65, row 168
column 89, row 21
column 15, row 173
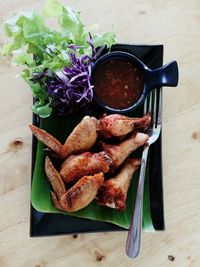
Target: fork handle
column 134, row 234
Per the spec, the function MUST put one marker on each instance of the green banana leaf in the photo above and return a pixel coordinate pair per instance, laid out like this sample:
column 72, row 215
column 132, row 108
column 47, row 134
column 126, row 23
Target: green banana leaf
column 60, row 127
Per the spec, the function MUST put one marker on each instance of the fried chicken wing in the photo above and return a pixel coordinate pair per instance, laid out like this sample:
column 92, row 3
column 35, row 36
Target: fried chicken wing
column 81, row 139
column 82, row 193
column 78, row 196
column 113, row 193
column 119, row 125
column 119, row 153
column 48, row 140
column 54, row 178
column 76, row 166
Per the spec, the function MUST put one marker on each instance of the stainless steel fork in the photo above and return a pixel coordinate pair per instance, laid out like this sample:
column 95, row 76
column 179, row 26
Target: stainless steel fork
column 154, row 107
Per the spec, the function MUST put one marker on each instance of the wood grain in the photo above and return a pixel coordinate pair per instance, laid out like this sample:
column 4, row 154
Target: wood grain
column 174, row 23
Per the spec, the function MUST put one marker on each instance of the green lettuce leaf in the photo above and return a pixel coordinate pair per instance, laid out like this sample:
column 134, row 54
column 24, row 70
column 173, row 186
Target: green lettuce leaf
column 41, row 109
column 107, row 38
column 52, row 8
column 23, row 58
column 40, row 47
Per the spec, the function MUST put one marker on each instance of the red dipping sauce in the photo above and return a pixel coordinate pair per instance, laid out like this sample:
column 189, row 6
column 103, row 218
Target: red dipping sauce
column 118, row 83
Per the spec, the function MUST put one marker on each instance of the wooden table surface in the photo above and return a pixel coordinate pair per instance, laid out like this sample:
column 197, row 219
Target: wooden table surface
column 174, row 23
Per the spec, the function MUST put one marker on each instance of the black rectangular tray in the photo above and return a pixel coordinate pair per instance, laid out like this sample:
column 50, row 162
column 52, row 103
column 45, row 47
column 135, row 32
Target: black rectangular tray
column 47, row 224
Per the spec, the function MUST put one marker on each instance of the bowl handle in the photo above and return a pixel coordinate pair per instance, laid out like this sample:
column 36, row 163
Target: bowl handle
column 166, row 75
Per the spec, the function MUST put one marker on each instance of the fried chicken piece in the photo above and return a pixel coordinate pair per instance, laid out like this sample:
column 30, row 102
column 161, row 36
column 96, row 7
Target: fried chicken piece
column 78, row 196
column 54, row 178
column 48, row 140
column 76, row 166
column 113, row 193
column 82, row 193
column 119, row 125
column 81, row 139
column 119, row 153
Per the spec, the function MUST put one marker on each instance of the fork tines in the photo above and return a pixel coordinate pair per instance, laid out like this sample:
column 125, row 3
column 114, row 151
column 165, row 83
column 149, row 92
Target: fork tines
column 153, row 106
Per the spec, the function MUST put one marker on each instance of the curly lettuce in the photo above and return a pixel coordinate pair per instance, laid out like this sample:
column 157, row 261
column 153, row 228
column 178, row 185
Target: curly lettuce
column 38, row 47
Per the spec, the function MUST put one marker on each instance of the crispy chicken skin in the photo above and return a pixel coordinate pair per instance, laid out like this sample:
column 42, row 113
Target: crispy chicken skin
column 54, row 178
column 119, row 153
column 119, row 125
column 82, row 138
column 113, row 193
column 78, row 196
column 48, row 140
column 82, row 193
column 76, row 166
column 84, row 135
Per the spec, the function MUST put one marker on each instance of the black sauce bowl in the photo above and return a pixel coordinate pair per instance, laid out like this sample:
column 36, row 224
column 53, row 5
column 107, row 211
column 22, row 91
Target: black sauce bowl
column 166, row 75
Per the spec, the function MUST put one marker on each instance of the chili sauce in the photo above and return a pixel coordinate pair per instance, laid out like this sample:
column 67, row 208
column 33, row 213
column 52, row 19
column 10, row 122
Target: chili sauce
column 118, row 83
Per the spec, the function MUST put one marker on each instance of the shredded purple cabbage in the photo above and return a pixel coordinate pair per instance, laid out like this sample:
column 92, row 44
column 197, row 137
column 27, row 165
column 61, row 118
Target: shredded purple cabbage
column 70, row 88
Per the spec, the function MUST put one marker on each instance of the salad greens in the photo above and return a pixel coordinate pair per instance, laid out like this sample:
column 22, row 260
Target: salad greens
column 41, row 49
column 71, row 86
